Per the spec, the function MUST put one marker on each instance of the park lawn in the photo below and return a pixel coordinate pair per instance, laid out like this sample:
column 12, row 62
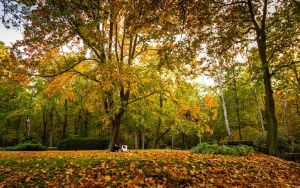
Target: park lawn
column 144, row 168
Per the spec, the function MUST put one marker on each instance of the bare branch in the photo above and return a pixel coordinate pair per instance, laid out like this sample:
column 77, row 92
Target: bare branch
column 140, row 98
column 86, row 76
column 229, row 4
column 253, row 16
column 278, row 68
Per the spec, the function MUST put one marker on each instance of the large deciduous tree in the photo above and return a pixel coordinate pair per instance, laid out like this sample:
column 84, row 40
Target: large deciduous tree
column 109, row 37
column 270, row 27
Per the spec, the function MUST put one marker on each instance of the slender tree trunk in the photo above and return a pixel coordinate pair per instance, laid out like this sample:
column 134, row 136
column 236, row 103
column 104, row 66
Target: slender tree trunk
column 172, row 139
column 18, row 128
column 28, row 124
column 260, row 113
column 51, row 125
column 226, row 116
column 158, row 127
column 65, row 125
column 76, row 124
column 44, row 127
column 297, row 89
column 237, row 107
column 183, row 141
column 143, row 139
column 220, row 82
column 285, row 119
column 86, row 129
column 135, row 139
column 138, row 134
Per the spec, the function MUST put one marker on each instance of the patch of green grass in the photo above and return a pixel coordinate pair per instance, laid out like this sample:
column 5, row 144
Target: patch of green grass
column 239, row 150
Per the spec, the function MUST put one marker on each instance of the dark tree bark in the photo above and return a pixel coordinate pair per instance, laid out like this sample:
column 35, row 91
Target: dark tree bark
column 51, row 126
column 115, row 131
column 237, row 108
column 261, row 40
column 65, row 124
column 158, row 126
column 44, row 127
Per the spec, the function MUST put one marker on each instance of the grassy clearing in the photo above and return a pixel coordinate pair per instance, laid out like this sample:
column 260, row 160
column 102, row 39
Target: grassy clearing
column 143, row 168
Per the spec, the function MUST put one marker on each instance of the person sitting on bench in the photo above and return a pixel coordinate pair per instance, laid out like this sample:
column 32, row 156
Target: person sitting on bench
column 116, row 148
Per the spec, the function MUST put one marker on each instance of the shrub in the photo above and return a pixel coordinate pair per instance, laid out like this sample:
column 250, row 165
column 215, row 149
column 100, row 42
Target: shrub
column 28, row 143
column 9, row 140
column 228, row 150
column 29, row 139
column 82, row 144
column 285, row 144
column 244, row 149
column 26, row 147
column 239, row 150
column 206, row 148
column 297, row 148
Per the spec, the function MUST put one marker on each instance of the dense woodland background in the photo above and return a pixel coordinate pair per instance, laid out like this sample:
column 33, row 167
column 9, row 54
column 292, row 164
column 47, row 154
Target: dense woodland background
column 132, row 71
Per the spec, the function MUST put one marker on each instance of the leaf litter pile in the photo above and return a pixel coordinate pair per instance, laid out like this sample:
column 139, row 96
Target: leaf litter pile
column 144, row 168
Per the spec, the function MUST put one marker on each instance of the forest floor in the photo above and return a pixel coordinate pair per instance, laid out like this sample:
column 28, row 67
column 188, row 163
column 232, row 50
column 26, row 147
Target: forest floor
column 144, row 168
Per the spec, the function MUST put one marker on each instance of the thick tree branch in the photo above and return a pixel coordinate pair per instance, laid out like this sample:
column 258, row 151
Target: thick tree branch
column 60, row 72
column 229, row 4
column 278, row 68
column 250, row 6
column 263, row 22
column 140, row 98
column 86, row 76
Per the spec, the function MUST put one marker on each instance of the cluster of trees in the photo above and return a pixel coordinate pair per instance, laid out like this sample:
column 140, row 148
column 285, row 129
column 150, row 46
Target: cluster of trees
column 123, row 69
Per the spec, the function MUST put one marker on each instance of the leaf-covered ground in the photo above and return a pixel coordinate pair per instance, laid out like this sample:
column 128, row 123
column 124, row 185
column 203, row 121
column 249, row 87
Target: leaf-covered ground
column 149, row 168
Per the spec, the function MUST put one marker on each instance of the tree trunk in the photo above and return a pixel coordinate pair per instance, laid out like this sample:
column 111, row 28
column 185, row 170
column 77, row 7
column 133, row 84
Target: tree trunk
column 18, row 128
column 172, row 139
column 115, row 121
column 220, row 82
column 269, row 99
column 143, row 139
column 45, row 127
column 114, row 131
column 183, row 141
column 28, row 124
column 226, row 116
column 136, row 139
column 270, row 114
column 86, row 129
column 138, row 134
column 157, row 130
column 285, row 119
column 140, row 142
column 261, row 40
column 65, row 125
column 156, row 134
column 51, row 125
column 297, row 89
column 260, row 113
column 76, row 124
column 237, row 109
